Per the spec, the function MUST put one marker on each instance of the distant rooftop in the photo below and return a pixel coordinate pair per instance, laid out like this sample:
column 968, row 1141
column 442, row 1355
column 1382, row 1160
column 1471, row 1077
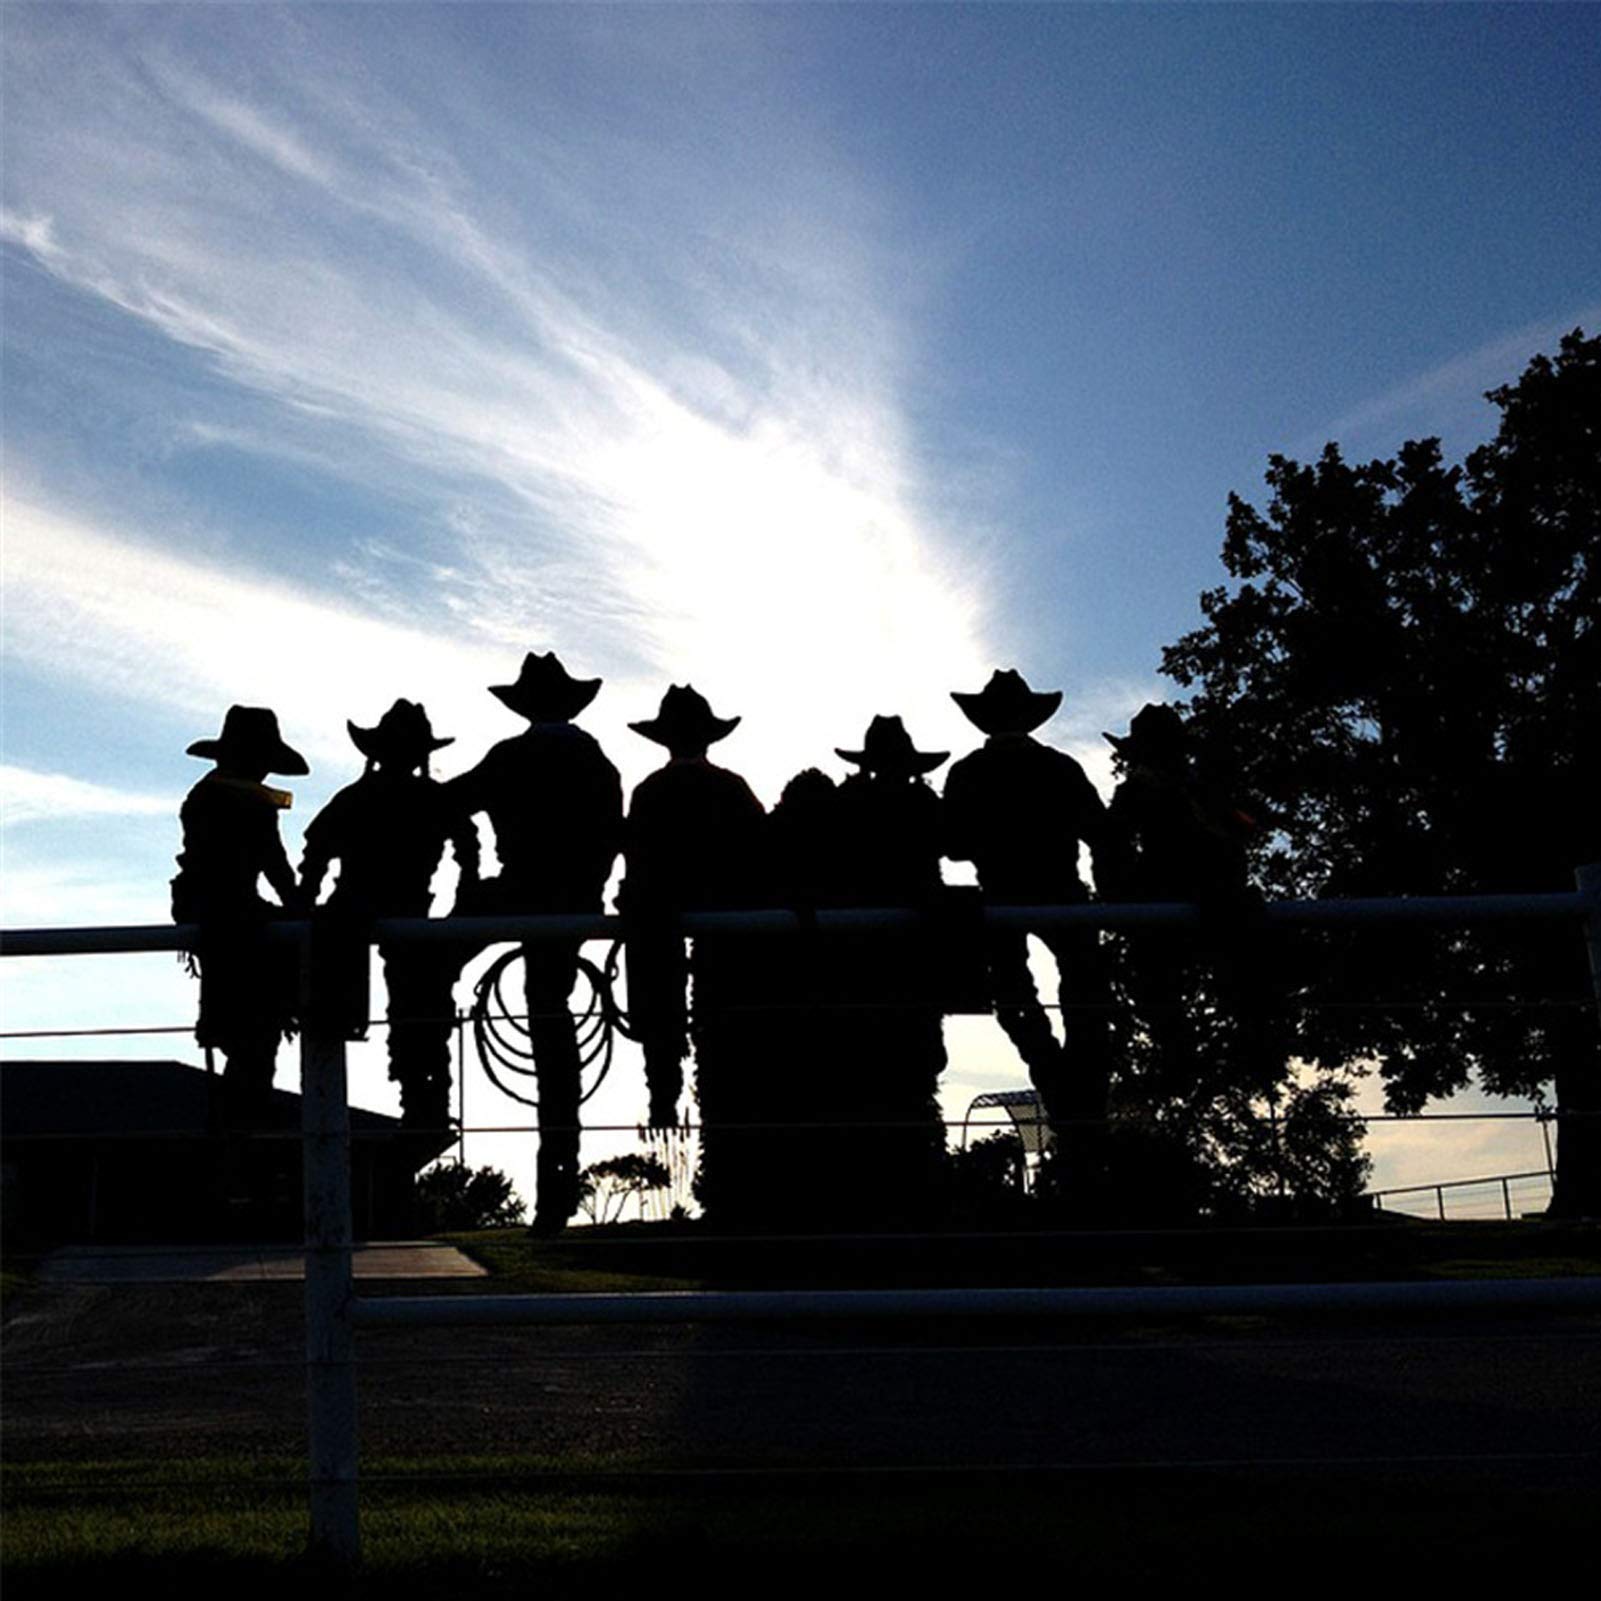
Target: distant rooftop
column 129, row 1097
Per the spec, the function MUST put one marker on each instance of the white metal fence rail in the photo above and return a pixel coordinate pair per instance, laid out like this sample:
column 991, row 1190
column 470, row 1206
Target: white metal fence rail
column 334, row 1312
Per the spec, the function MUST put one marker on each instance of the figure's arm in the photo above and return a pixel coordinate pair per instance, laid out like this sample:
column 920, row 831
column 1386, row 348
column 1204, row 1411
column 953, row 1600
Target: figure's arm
column 1114, row 847
column 956, row 818
column 467, row 792
column 462, row 833
column 321, row 846
column 609, row 834
column 278, row 873
column 313, row 867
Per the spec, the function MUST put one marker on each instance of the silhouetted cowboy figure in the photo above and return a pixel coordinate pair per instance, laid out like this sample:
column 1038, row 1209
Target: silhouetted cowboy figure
column 388, row 833
column 890, row 829
column 798, row 984
column 691, row 843
column 555, row 803
column 1182, row 837
column 248, row 985
column 1018, row 809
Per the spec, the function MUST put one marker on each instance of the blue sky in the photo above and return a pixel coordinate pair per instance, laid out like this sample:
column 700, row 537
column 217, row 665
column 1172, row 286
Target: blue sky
column 822, row 356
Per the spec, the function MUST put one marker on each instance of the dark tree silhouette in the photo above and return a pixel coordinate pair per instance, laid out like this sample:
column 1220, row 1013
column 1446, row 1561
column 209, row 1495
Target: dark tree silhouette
column 1407, row 671
column 1213, row 1117
column 451, row 1195
column 605, row 1187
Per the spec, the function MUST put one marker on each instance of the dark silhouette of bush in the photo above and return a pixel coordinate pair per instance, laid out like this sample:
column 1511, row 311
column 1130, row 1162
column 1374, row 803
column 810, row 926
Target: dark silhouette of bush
column 451, row 1195
column 985, row 1180
column 605, row 1187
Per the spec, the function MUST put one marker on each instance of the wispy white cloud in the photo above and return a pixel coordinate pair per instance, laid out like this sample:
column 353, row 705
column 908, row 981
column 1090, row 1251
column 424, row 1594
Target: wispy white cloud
column 741, row 510
column 27, row 796
column 1437, row 400
column 248, row 126
column 104, row 614
column 750, row 521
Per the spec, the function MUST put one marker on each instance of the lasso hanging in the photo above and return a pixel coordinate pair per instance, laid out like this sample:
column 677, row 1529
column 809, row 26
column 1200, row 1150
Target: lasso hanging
column 503, row 1037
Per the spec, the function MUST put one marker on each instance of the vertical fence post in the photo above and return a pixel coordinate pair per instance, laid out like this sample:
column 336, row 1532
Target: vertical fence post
column 1579, row 1137
column 330, row 1336
column 1589, row 882
column 461, row 1088
column 1506, row 1197
column 1439, row 1200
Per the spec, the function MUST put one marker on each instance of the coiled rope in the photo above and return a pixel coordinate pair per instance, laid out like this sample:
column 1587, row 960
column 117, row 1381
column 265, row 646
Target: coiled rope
column 503, row 1037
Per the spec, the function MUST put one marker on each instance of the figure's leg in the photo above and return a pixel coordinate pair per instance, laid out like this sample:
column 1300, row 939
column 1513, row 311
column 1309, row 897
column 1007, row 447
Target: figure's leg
column 732, row 1032
column 1162, row 975
column 1084, row 1097
column 1018, row 1010
column 1250, row 973
column 657, row 976
column 550, row 971
column 421, row 1013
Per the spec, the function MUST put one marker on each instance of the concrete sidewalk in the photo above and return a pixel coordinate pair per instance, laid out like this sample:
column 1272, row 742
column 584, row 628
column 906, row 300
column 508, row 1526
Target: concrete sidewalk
column 246, row 1264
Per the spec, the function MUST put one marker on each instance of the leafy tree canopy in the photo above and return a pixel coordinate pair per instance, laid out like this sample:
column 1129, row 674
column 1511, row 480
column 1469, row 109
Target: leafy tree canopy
column 605, row 1186
column 1406, row 675
column 451, row 1195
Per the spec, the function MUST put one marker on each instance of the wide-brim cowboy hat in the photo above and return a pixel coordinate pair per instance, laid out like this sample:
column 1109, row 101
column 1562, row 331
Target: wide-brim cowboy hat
column 1153, row 731
column 1006, row 705
column 403, row 733
column 250, row 737
column 888, row 748
column 545, row 691
column 685, row 721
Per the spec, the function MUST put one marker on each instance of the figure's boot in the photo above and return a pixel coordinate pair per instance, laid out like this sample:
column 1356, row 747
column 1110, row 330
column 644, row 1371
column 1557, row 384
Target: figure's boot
column 556, row 1069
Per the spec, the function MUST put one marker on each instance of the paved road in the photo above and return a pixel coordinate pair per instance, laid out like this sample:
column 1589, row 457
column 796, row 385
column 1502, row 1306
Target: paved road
column 225, row 1264
column 119, row 1372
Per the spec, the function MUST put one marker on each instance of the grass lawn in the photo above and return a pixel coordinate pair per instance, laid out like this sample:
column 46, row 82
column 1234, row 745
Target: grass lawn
column 234, row 1529
column 502, row 1527
column 645, row 1257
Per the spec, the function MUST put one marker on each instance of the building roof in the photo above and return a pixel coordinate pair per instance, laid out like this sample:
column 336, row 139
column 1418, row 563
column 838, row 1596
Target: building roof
column 129, row 1097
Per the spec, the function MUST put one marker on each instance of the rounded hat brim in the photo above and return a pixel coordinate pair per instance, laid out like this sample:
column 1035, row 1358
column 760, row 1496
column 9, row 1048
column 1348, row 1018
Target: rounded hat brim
column 538, row 706
column 372, row 742
column 277, row 756
column 916, row 761
column 993, row 715
column 669, row 733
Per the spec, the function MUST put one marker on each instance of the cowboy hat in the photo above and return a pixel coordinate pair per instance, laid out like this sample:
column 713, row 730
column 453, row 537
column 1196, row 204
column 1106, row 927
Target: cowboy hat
column 1006, row 705
column 888, row 748
column 545, row 692
column 250, row 737
column 402, row 734
column 685, row 721
column 1153, row 731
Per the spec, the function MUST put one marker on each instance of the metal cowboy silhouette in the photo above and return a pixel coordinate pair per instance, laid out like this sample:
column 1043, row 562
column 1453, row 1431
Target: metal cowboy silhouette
column 555, row 803
column 230, row 842
column 388, row 832
column 1017, row 809
column 691, row 843
column 1181, row 837
column 889, row 831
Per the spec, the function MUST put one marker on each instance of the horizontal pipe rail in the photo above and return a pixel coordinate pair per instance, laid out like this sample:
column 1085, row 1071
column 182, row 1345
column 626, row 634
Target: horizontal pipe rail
column 131, row 938
column 740, row 1306
column 1458, row 1184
